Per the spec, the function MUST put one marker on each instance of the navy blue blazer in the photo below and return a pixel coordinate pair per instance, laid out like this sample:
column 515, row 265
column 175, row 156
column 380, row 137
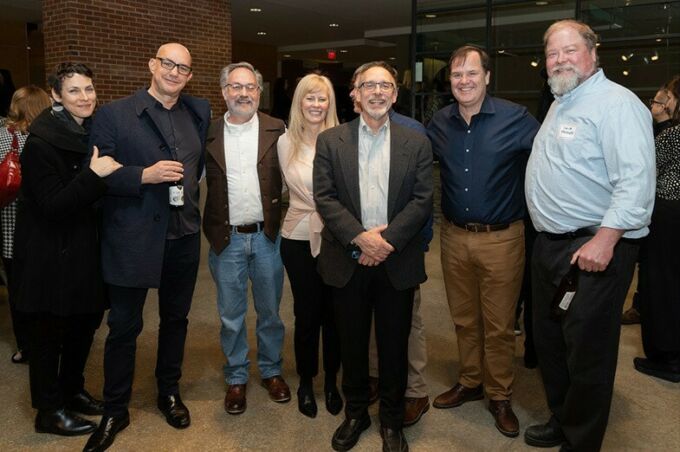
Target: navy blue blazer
column 135, row 216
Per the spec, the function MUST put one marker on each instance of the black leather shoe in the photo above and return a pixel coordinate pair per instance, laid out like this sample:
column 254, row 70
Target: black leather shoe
column 669, row 371
column 176, row 413
column 306, row 401
column 347, row 435
column 393, row 440
column 84, row 403
column 545, row 435
column 103, row 437
column 62, row 422
column 333, row 401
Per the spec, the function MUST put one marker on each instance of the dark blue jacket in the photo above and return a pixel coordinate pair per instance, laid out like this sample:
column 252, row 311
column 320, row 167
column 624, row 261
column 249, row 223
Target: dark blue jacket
column 135, row 216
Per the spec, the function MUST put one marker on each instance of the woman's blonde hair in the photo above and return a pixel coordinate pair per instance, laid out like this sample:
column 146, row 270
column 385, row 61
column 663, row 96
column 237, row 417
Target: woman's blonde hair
column 27, row 103
column 296, row 122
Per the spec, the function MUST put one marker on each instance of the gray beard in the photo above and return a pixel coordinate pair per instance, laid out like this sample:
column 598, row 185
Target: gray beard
column 563, row 82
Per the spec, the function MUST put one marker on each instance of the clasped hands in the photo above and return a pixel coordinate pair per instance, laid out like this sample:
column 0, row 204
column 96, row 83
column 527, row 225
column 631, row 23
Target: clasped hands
column 374, row 248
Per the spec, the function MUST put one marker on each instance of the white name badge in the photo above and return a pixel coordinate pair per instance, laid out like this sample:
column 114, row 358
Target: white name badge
column 567, row 131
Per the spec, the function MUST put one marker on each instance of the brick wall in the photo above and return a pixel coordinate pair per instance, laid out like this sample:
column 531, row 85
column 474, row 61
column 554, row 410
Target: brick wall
column 116, row 38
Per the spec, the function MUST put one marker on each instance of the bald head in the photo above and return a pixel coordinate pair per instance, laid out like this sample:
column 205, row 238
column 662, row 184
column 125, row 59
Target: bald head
column 170, row 71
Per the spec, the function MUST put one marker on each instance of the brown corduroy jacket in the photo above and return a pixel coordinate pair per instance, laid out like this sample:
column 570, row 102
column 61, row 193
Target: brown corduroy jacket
column 216, row 214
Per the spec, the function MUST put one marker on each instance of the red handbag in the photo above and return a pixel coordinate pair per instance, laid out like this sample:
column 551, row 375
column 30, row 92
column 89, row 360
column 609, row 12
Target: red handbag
column 10, row 172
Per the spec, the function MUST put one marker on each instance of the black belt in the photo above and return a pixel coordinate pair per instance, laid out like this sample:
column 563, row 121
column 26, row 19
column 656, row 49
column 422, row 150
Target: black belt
column 478, row 227
column 248, row 228
column 583, row 232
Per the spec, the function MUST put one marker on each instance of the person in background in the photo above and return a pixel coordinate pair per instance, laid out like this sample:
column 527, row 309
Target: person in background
column 56, row 256
column 662, row 106
column 660, row 309
column 312, row 112
column 27, row 103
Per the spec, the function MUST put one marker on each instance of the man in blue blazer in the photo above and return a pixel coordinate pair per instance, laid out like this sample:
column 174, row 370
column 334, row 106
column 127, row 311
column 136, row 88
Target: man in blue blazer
column 373, row 189
column 150, row 235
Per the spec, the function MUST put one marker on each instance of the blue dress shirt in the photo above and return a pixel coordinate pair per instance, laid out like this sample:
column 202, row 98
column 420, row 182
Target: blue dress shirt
column 593, row 162
column 482, row 163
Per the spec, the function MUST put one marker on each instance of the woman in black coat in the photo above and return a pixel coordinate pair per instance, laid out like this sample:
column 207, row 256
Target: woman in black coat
column 59, row 286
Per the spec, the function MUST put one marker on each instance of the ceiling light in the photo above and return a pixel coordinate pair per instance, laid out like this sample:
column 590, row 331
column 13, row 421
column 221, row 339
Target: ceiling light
column 541, row 3
column 334, row 25
column 655, row 57
column 534, row 62
column 286, row 55
column 344, row 50
column 659, row 39
column 625, row 72
column 430, row 16
column 501, row 51
column 627, row 57
column 255, row 10
column 262, row 33
column 392, row 58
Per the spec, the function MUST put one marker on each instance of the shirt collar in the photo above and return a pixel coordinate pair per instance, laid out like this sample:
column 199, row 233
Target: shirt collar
column 584, row 87
column 487, row 108
column 364, row 128
column 240, row 128
column 149, row 102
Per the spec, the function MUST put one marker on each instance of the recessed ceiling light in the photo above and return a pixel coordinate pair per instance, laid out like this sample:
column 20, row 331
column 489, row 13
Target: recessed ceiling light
column 334, row 25
column 344, row 51
column 541, row 3
column 255, row 10
column 286, row 55
column 262, row 33
column 625, row 72
column 659, row 39
column 430, row 16
column 392, row 58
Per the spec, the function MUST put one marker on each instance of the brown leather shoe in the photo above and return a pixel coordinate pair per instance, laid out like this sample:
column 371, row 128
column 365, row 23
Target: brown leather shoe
column 506, row 421
column 415, row 408
column 457, row 396
column 278, row 389
column 235, row 400
column 372, row 390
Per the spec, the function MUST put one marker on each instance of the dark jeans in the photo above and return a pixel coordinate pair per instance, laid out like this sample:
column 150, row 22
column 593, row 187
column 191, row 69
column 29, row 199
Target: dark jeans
column 313, row 307
column 577, row 355
column 369, row 291
column 178, row 278
column 59, row 347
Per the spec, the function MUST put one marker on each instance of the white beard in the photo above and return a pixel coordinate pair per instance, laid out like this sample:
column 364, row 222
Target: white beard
column 564, row 79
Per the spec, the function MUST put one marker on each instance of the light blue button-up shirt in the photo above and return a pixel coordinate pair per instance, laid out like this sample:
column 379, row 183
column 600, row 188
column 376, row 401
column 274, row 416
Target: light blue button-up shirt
column 592, row 162
column 374, row 173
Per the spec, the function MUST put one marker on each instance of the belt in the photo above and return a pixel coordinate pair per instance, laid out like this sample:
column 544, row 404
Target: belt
column 583, row 232
column 478, row 227
column 248, row 228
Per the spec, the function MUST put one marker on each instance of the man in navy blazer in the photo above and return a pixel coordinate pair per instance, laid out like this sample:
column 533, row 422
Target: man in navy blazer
column 373, row 189
column 149, row 239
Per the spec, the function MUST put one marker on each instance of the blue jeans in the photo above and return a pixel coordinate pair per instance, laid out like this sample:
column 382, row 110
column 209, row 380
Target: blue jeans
column 251, row 256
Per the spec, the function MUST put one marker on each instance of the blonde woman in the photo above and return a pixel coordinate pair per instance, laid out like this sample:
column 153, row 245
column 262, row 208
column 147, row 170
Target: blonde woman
column 312, row 111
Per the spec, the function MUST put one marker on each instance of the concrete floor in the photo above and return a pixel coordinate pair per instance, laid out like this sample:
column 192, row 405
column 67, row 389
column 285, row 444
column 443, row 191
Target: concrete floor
column 645, row 411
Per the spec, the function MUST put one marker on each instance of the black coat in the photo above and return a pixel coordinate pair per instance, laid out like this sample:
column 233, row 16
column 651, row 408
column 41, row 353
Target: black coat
column 57, row 265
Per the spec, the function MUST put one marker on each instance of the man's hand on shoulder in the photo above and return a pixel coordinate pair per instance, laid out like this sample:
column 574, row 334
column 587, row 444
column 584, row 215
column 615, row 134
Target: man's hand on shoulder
column 163, row 171
column 596, row 253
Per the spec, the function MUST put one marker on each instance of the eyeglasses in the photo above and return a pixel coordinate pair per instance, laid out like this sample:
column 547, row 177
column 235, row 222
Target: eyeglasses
column 654, row 101
column 371, row 86
column 237, row 87
column 169, row 65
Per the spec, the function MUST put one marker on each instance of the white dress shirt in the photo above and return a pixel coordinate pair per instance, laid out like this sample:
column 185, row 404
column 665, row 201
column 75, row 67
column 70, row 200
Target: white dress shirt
column 240, row 155
column 374, row 173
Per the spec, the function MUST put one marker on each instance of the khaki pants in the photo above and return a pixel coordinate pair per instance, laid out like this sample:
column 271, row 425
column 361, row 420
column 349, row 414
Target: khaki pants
column 483, row 276
column 417, row 353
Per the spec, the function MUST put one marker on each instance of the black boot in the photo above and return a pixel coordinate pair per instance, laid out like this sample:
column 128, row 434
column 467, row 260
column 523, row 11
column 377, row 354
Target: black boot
column 62, row 422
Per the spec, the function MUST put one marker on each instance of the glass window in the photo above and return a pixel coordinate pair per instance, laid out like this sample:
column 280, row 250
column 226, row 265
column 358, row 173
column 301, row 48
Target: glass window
column 623, row 19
